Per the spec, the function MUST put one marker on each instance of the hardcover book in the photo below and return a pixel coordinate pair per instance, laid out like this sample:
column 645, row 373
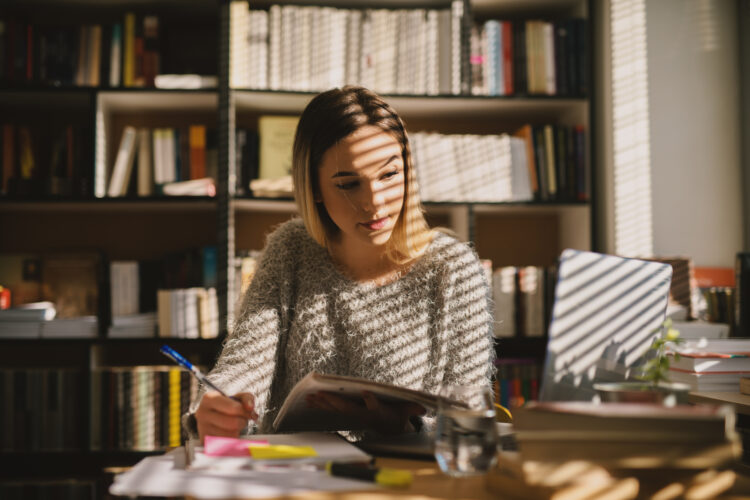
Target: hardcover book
column 627, row 435
column 276, row 139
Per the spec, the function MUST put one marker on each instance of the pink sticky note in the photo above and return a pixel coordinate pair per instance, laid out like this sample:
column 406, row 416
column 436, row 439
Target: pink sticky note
column 216, row 446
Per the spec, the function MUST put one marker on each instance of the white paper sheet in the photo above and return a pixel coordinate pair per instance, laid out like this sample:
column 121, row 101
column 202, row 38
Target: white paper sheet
column 233, row 477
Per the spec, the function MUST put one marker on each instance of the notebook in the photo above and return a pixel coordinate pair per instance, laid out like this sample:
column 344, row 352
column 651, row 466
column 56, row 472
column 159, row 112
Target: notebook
column 605, row 311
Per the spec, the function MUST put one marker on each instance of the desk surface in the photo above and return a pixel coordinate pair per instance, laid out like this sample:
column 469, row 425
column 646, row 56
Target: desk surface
column 741, row 402
column 162, row 476
column 429, row 483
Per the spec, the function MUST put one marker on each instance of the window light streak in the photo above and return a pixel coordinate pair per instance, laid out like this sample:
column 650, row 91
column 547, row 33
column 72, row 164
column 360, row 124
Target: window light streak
column 632, row 162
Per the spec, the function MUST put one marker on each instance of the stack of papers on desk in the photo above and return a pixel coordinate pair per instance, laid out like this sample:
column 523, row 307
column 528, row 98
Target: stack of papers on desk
column 326, row 447
column 243, row 477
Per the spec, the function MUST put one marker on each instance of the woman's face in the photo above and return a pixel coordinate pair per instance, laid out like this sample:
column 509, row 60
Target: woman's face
column 361, row 184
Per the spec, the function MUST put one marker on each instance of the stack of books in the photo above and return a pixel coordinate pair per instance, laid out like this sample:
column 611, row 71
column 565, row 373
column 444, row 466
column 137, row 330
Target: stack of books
column 25, row 321
column 79, row 327
column 711, row 365
column 627, row 435
column 133, row 326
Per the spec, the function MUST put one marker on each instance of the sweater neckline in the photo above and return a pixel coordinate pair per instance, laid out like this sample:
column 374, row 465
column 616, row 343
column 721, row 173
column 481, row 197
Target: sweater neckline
column 370, row 284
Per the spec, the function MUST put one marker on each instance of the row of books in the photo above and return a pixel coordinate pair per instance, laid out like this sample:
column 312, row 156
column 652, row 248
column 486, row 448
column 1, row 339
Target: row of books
column 529, row 57
column 538, row 162
column 545, row 162
column 720, row 305
column 523, row 299
column 516, row 381
column 79, row 294
column 404, row 51
column 174, row 297
column 189, row 313
column 139, row 408
column 181, row 313
column 41, row 410
column 124, row 53
column 44, row 161
column 468, row 167
column 164, row 160
column 308, row 48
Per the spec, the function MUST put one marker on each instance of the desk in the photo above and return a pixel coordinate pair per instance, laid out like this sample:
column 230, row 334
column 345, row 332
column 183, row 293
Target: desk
column 583, row 481
column 163, row 476
column 429, row 483
column 741, row 402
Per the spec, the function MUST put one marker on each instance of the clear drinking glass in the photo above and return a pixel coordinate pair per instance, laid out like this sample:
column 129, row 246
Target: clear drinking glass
column 466, row 434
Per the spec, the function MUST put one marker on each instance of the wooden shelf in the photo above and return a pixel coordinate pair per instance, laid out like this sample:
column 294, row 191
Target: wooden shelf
column 528, row 8
column 446, row 107
column 161, row 204
column 152, row 100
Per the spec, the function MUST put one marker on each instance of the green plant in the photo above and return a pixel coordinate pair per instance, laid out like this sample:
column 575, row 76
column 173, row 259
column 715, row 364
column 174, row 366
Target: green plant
column 656, row 369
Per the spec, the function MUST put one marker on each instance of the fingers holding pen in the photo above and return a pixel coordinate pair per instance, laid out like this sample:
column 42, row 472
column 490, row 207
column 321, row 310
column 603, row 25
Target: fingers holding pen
column 222, row 416
column 247, row 401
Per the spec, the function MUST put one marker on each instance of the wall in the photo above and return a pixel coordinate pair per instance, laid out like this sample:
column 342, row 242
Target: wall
column 695, row 129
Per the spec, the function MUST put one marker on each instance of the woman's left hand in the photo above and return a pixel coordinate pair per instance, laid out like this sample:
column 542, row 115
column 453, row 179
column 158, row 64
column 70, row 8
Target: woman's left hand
column 386, row 418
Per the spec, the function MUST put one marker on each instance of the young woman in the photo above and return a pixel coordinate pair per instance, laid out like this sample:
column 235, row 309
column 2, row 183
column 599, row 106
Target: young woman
column 359, row 285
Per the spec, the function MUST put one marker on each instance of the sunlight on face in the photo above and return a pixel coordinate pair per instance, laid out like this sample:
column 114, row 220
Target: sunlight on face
column 361, row 182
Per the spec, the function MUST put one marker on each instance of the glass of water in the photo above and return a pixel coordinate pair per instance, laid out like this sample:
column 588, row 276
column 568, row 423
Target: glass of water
column 466, row 435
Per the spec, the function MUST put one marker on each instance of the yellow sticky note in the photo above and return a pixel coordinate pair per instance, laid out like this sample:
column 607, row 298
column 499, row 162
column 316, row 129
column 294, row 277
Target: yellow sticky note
column 276, row 451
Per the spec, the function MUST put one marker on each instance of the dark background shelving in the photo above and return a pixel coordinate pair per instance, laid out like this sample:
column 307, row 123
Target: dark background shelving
column 194, row 38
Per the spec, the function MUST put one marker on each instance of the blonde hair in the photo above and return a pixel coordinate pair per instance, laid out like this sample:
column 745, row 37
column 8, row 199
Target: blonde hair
column 330, row 117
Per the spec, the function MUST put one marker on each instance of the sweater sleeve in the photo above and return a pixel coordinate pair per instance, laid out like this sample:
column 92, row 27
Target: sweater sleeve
column 248, row 360
column 468, row 307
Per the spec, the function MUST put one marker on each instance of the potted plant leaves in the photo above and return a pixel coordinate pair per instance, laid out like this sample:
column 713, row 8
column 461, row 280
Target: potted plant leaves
column 653, row 384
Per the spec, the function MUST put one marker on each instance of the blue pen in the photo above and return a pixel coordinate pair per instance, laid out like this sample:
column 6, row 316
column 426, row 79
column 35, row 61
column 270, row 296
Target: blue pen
column 177, row 358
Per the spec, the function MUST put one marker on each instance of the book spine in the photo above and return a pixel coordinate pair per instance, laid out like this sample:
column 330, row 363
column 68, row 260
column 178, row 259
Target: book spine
column 174, row 408
column 742, row 295
column 128, row 73
column 123, row 163
column 197, row 141
column 239, row 35
column 9, row 157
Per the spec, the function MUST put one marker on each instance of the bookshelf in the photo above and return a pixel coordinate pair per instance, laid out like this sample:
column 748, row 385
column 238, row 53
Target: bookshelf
column 194, row 37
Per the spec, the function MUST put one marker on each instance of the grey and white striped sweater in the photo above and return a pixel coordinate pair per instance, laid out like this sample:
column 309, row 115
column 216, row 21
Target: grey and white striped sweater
column 431, row 326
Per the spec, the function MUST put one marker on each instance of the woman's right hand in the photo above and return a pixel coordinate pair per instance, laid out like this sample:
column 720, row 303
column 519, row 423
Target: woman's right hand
column 219, row 415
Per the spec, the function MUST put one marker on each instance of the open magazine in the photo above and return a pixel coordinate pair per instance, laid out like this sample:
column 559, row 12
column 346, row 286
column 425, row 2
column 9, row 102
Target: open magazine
column 296, row 415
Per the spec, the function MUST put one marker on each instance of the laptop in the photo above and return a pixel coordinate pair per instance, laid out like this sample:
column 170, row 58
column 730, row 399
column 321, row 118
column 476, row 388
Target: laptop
column 605, row 312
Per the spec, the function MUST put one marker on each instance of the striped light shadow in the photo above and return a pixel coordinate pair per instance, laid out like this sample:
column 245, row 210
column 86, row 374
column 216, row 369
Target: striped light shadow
column 463, row 167
column 605, row 311
column 585, row 310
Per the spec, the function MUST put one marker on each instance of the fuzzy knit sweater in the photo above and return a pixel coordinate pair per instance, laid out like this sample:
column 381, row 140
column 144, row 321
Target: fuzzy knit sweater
column 431, row 326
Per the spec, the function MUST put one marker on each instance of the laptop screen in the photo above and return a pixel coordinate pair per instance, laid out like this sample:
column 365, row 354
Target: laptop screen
column 605, row 311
